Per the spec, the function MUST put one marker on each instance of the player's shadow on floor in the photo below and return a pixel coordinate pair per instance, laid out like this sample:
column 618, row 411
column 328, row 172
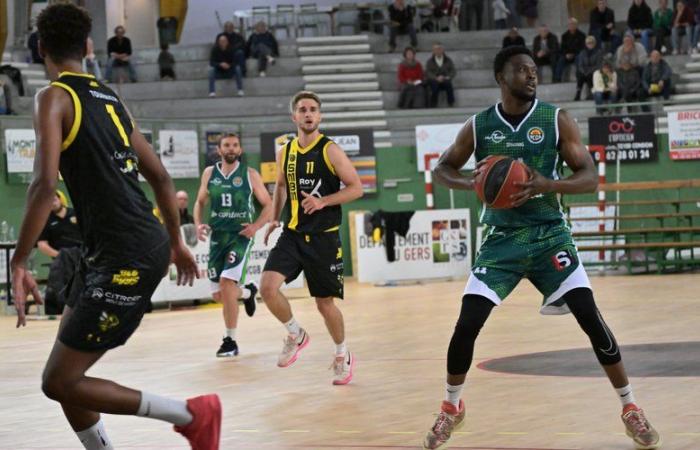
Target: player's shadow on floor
column 673, row 359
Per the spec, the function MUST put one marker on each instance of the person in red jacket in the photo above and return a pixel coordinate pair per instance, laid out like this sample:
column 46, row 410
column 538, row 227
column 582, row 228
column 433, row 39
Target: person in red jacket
column 411, row 81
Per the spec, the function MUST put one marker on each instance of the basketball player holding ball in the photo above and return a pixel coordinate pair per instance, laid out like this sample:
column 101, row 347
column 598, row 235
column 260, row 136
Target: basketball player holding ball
column 530, row 238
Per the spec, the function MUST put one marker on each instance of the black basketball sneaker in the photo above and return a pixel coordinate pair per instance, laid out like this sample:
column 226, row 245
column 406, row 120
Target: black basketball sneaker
column 249, row 302
column 228, row 348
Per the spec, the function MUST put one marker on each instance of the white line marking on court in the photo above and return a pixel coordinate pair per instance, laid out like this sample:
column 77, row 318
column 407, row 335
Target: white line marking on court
column 296, row 431
column 512, row 433
column 686, row 434
column 245, row 431
column 401, row 432
column 569, row 434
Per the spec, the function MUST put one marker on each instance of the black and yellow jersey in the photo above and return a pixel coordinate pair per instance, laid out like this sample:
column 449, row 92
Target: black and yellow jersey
column 309, row 169
column 100, row 169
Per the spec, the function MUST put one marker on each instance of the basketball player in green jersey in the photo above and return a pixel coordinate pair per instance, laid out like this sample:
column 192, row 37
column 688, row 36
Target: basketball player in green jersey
column 310, row 169
column 532, row 239
column 231, row 184
column 86, row 132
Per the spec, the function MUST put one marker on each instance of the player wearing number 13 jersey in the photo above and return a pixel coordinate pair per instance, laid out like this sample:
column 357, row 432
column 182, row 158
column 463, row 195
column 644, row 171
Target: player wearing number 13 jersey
column 230, row 185
column 85, row 131
column 530, row 240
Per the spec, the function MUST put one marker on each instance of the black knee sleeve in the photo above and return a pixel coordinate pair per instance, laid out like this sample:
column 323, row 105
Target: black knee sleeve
column 582, row 306
column 475, row 311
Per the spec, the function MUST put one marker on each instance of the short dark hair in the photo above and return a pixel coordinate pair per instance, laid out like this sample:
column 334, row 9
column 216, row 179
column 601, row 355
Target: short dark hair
column 226, row 136
column 504, row 56
column 408, row 49
column 301, row 95
column 63, row 30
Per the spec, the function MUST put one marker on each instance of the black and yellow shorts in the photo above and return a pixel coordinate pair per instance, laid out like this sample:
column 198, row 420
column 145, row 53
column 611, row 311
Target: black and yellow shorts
column 319, row 255
column 108, row 305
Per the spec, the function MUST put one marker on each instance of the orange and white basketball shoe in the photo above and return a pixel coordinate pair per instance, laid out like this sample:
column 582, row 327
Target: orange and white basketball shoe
column 637, row 427
column 292, row 346
column 449, row 420
column 343, row 367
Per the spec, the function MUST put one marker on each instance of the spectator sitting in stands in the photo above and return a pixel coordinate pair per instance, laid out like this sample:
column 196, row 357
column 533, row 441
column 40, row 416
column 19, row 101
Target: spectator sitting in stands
column 663, row 21
column 183, row 201
column 60, row 240
column 401, row 22
column 439, row 72
column 528, row 9
column 545, row 47
column 119, row 51
column 602, row 26
column 513, row 38
column 222, row 62
column 90, row 62
column 572, row 43
column 630, row 59
column 682, row 23
column 500, row 14
column 237, row 43
column 33, row 46
column 7, row 98
column 469, row 9
column 166, row 63
column 410, row 73
column 262, row 45
column 656, row 78
column 640, row 22
column 604, row 86
column 587, row 62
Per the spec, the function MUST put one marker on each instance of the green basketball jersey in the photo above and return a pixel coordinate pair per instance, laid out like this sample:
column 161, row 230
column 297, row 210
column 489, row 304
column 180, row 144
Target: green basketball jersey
column 231, row 198
column 534, row 142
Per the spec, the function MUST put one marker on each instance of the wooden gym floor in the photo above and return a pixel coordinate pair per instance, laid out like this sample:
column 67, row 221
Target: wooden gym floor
column 400, row 336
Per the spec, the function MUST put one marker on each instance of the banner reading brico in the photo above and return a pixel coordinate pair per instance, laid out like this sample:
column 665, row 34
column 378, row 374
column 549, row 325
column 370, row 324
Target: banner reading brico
column 684, row 134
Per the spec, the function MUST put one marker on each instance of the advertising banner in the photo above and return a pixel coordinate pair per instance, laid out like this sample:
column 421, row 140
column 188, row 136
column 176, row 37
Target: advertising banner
column 435, row 139
column 633, row 137
column 20, row 147
column 179, row 153
column 684, row 134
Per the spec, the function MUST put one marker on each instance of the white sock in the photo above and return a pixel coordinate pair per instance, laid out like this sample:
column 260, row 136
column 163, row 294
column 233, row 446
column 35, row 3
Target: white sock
column 626, row 395
column 293, row 327
column 454, row 393
column 157, row 407
column 231, row 332
column 340, row 349
column 95, row 437
column 245, row 293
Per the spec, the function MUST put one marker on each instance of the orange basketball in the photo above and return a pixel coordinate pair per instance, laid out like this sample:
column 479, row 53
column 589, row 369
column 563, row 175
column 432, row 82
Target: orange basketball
column 496, row 182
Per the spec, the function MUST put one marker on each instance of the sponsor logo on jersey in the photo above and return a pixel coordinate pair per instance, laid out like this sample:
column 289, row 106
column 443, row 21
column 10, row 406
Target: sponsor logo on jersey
column 237, row 181
column 232, row 215
column 102, row 96
column 216, row 181
column 515, row 144
column 126, row 277
column 114, row 298
column 535, row 135
column 108, row 321
column 306, row 181
column 496, row 137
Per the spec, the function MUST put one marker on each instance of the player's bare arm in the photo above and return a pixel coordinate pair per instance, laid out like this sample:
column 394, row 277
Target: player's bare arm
column 53, row 113
column 200, row 202
column 263, row 197
column 156, row 175
column 584, row 177
column 279, row 196
column 454, row 158
column 348, row 175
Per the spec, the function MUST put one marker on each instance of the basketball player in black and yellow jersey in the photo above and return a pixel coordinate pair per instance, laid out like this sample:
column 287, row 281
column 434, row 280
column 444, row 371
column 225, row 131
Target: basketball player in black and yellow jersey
column 86, row 132
column 310, row 169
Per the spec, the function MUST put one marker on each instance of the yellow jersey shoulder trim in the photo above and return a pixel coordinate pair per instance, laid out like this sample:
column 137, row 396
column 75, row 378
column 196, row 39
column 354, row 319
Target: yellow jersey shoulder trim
column 326, row 158
column 309, row 147
column 78, row 116
column 75, row 74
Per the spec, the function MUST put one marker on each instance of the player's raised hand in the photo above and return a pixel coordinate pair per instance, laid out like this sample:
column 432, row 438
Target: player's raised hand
column 22, row 284
column 311, row 203
column 270, row 228
column 248, row 230
column 187, row 269
column 203, row 231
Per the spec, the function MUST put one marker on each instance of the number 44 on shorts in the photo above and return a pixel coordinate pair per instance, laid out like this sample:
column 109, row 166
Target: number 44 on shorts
column 563, row 259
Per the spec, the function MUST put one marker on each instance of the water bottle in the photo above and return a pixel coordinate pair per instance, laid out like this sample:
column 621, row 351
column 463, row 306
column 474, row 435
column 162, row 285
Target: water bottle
column 11, row 234
column 4, row 228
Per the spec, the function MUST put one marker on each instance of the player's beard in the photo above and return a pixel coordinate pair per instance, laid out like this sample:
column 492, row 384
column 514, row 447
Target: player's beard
column 523, row 96
column 231, row 158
